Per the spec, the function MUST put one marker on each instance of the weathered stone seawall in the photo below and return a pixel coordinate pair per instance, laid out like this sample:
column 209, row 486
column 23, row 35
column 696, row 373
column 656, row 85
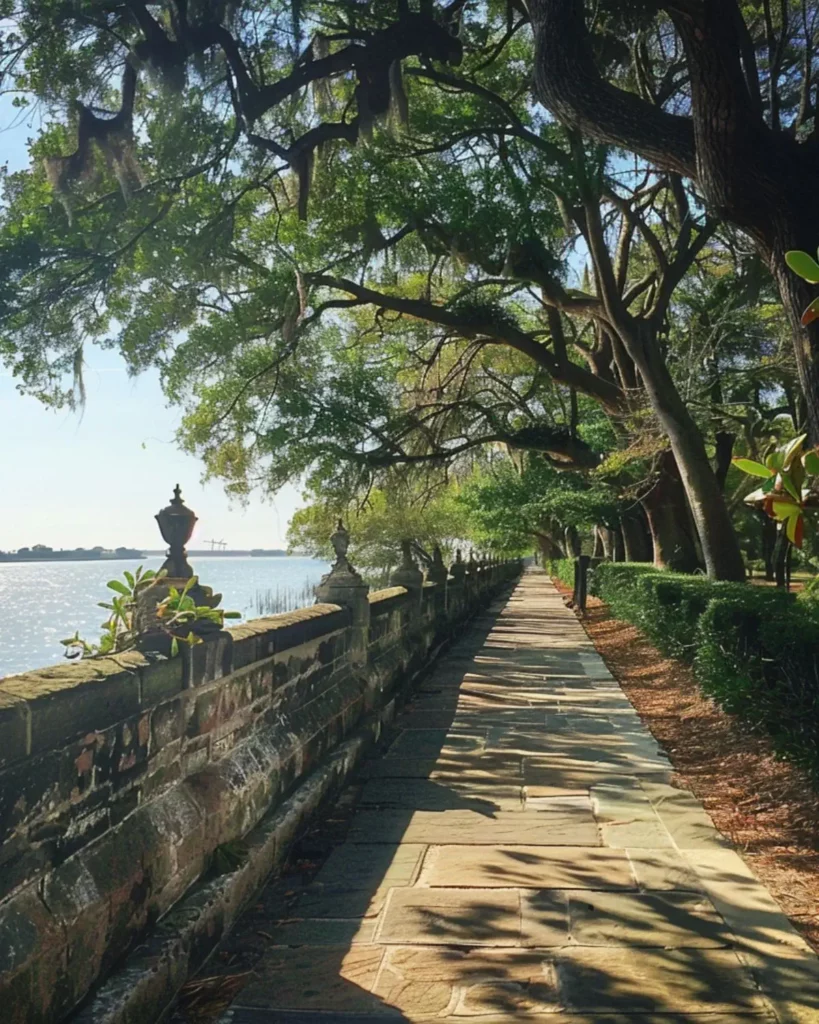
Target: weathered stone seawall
column 120, row 778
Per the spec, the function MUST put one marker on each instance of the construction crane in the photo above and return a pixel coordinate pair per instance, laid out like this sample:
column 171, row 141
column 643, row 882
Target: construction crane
column 220, row 545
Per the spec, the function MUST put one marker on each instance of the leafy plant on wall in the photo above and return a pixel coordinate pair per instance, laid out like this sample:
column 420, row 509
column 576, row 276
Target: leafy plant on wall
column 178, row 614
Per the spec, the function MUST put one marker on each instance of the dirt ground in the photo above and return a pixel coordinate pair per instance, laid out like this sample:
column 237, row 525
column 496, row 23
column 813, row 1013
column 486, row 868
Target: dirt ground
column 765, row 806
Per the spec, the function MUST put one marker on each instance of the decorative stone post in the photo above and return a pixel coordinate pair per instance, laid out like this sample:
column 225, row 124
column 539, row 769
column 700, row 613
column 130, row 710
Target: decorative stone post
column 407, row 574
column 458, row 568
column 344, row 586
column 438, row 574
column 456, row 592
column 176, row 522
column 410, row 576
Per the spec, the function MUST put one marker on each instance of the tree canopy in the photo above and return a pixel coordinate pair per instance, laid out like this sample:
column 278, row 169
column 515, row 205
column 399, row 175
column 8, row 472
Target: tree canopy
column 352, row 239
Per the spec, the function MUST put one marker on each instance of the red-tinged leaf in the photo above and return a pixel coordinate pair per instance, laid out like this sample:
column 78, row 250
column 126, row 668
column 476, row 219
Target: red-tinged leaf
column 793, row 529
column 811, row 313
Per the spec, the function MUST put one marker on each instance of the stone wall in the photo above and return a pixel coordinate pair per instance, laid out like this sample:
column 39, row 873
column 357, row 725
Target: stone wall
column 120, row 777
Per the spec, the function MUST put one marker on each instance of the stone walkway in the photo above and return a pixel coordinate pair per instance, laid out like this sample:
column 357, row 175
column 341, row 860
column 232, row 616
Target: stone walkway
column 519, row 851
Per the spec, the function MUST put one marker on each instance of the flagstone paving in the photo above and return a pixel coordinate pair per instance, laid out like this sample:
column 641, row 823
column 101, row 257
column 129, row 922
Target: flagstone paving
column 520, row 852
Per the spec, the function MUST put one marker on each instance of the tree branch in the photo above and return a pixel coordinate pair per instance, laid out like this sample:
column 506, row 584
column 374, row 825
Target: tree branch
column 569, row 83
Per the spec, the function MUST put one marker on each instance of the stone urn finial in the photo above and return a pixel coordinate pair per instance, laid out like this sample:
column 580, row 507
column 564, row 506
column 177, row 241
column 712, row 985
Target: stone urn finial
column 407, row 574
column 437, row 572
column 176, row 522
column 341, row 543
column 458, row 567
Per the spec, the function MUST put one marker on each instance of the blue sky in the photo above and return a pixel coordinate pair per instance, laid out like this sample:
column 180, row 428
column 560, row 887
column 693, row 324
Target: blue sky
column 71, row 481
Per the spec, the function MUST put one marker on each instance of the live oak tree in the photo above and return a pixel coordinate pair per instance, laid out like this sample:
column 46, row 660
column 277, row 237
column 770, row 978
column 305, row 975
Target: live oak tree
column 378, row 519
column 226, row 196
column 719, row 91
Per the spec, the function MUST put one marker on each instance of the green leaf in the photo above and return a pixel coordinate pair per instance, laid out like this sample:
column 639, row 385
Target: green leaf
column 768, row 486
column 753, row 468
column 119, row 587
column 803, row 264
column 790, row 487
column 232, row 615
column 811, row 462
column 130, row 577
column 105, row 605
column 793, row 449
column 174, row 647
column 775, row 460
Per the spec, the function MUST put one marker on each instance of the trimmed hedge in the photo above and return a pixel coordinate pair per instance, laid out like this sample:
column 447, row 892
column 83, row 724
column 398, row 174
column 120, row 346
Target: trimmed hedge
column 754, row 650
column 760, row 660
column 667, row 606
column 562, row 569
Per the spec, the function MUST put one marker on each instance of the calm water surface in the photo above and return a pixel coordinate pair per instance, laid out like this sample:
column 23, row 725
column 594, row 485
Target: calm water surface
column 43, row 602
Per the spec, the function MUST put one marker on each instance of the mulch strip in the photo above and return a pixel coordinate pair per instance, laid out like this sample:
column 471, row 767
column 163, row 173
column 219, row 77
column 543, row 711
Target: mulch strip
column 765, row 806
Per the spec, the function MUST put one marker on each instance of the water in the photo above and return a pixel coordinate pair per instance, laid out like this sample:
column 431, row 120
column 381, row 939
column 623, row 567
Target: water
column 43, row 602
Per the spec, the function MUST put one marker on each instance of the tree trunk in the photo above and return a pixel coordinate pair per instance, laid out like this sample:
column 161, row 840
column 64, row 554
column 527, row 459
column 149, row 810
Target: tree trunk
column 781, row 559
column 548, row 548
column 619, row 545
column 572, row 542
column 636, row 536
column 607, row 542
column 720, row 548
column 597, row 549
column 724, row 452
column 768, row 546
column 760, row 180
column 667, row 514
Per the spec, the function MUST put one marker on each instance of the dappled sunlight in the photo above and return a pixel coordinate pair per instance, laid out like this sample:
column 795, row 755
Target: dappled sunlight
column 518, row 849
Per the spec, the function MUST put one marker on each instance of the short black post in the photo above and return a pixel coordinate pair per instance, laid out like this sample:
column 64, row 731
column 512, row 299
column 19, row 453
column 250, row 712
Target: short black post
column 581, row 580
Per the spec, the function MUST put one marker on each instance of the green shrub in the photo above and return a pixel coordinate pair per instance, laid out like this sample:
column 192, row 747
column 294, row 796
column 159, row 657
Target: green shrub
column 758, row 657
column 667, row 606
column 755, row 650
column 614, row 583
column 562, row 569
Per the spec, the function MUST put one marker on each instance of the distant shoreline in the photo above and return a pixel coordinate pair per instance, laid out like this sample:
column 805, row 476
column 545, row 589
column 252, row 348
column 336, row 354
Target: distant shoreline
column 133, row 555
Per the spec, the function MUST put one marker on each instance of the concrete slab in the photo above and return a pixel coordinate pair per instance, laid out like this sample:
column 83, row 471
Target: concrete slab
column 656, row 980
column 527, row 867
column 442, row 794
column 671, row 920
column 312, row 978
column 571, row 827
column 452, row 917
column 467, row 983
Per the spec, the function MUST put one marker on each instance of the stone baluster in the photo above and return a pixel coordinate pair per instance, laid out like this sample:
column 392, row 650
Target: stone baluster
column 438, row 574
column 344, row 586
column 408, row 575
